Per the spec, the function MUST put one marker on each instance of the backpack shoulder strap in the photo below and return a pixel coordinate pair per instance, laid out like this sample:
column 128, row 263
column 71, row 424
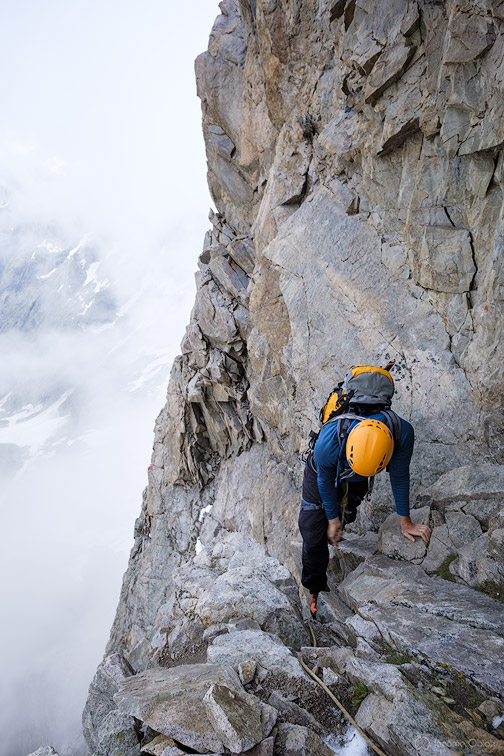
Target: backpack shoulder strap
column 394, row 423
column 344, row 423
column 310, row 461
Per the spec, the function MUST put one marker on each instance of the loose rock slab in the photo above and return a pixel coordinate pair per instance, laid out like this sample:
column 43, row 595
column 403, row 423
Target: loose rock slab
column 392, row 543
column 240, row 719
column 445, row 622
column 174, row 702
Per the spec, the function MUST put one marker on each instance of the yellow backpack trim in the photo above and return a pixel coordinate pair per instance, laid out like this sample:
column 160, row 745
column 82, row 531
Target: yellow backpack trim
column 333, row 403
column 359, row 369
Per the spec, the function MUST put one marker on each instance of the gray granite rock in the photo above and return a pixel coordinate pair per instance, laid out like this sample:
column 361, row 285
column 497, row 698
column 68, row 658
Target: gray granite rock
column 240, row 720
column 237, row 579
column 159, row 745
column 333, row 611
column 480, row 562
column 296, row 740
column 413, row 721
column 351, row 552
column 477, row 490
column 333, row 657
column 366, row 630
column 440, row 547
column 171, row 702
column 246, row 671
column 330, row 677
column 462, row 528
column 108, row 731
column 432, row 247
column 263, row 648
column 393, row 543
column 389, row 67
column 264, row 748
column 442, row 622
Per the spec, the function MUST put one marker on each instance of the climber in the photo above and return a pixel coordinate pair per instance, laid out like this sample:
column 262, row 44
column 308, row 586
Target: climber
column 350, row 449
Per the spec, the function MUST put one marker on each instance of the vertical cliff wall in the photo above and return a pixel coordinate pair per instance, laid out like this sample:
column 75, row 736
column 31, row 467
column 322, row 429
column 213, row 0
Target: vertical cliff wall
column 355, row 157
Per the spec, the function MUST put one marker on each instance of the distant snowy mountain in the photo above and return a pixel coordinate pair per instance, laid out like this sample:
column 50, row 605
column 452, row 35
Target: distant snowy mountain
column 63, row 332
column 44, row 284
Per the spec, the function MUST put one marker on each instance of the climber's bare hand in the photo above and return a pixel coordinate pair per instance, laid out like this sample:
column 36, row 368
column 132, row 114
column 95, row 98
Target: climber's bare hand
column 412, row 529
column 334, row 530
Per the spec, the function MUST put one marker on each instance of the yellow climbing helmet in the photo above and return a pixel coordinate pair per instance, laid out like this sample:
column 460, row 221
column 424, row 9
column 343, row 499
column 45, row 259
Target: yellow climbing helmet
column 369, row 447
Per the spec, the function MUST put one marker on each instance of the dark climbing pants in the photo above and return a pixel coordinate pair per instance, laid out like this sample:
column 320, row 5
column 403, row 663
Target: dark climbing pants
column 313, row 527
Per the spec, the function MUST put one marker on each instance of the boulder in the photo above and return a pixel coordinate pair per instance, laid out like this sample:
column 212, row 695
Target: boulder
column 295, row 740
column 439, row 548
column 481, row 562
column 117, row 735
column 173, row 702
column 393, row 543
column 246, row 671
column 414, row 724
column 462, row 528
column 366, row 630
column 264, row 748
column 105, row 729
column 408, row 718
column 333, row 657
column 239, row 719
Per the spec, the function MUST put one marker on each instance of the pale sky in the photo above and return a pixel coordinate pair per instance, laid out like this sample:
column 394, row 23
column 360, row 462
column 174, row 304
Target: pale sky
column 100, row 121
column 100, row 136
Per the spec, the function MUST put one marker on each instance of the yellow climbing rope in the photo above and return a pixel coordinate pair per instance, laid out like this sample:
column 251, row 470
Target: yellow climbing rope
column 333, row 698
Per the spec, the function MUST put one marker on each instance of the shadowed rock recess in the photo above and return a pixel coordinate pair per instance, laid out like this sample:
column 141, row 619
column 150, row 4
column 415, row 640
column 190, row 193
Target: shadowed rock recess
column 355, row 157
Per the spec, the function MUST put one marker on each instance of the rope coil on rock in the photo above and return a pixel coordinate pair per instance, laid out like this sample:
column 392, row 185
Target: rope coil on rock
column 335, row 700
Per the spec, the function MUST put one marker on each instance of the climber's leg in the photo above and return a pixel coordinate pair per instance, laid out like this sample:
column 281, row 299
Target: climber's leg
column 313, row 527
column 356, row 492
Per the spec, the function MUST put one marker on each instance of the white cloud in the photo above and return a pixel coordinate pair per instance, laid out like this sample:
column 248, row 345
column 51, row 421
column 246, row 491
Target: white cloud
column 100, row 141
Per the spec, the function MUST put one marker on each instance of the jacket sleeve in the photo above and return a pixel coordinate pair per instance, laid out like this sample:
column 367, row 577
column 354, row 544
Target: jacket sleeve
column 326, row 476
column 399, row 469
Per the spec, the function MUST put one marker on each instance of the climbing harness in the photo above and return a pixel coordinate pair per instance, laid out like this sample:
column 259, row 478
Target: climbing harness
column 333, row 698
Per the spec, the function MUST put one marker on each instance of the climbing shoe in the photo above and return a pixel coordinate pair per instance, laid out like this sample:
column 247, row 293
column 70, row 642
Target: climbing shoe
column 313, row 605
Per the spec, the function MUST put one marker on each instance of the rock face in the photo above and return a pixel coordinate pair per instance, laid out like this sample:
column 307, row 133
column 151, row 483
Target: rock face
column 355, row 160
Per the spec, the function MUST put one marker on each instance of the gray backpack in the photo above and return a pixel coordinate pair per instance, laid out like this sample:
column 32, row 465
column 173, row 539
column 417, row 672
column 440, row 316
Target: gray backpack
column 366, row 384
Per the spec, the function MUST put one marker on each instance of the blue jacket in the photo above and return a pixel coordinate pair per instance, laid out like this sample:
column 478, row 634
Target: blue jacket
column 326, row 460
